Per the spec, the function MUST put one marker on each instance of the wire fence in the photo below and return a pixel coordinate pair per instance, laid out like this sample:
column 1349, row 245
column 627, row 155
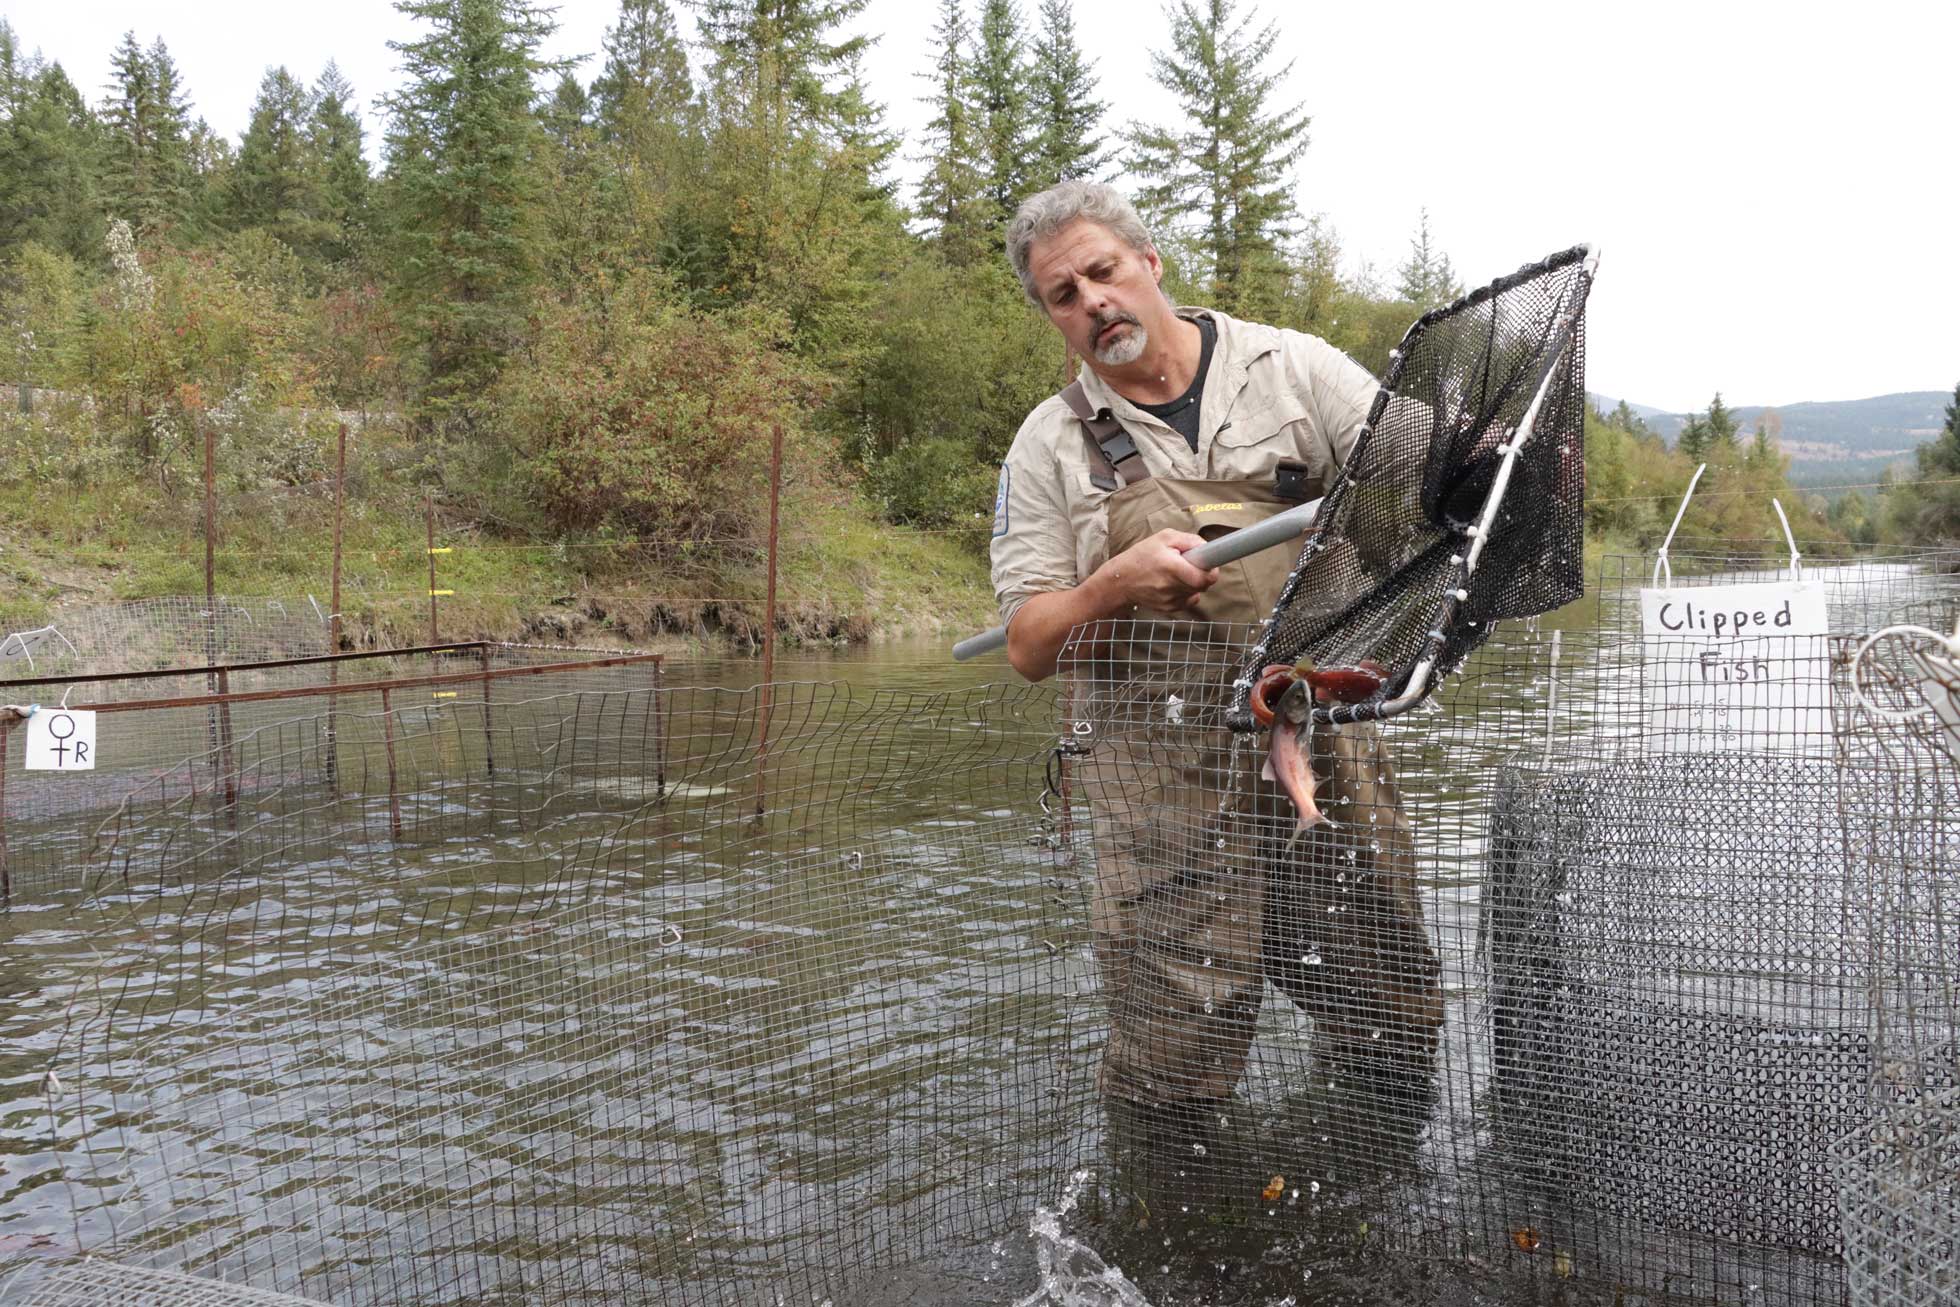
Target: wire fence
column 1623, row 967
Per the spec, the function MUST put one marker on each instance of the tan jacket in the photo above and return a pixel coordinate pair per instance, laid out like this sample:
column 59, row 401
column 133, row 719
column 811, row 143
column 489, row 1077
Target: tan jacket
column 1269, row 395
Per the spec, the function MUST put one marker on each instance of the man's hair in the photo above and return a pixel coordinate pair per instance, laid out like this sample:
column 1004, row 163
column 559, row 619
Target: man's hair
column 1055, row 208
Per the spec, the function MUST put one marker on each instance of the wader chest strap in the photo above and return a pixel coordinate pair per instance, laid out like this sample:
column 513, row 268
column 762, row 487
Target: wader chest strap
column 1113, row 457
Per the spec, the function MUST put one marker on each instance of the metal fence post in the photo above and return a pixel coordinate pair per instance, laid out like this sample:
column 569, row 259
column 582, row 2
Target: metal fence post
column 429, row 520
column 333, row 610
column 394, row 799
column 489, row 748
column 6, row 877
column 768, row 623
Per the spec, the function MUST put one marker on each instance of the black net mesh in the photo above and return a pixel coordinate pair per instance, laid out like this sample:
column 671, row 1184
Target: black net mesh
column 1393, row 575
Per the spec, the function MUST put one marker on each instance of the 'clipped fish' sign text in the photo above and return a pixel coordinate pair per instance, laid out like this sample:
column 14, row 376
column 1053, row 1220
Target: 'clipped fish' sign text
column 59, row 739
column 1738, row 667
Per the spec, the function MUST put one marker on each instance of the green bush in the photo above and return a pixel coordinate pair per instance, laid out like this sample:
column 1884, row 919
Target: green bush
column 640, row 415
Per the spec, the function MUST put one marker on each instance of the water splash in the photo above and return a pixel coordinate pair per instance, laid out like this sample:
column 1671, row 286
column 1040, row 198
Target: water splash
column 1072, row 1273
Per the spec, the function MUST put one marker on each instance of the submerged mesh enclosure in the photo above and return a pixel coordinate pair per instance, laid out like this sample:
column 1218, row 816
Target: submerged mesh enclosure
column 178, row 746
column 1380, row 578
column 1553, row 1009
column 99, row 1283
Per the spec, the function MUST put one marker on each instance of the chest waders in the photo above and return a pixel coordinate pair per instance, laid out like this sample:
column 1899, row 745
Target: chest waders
column 1201, row 890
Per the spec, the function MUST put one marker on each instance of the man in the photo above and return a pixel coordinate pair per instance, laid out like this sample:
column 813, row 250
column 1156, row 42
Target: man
column 1175, row 431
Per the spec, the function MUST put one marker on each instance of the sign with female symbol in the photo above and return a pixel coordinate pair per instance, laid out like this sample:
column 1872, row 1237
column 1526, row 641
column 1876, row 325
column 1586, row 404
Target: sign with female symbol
column 60, row 739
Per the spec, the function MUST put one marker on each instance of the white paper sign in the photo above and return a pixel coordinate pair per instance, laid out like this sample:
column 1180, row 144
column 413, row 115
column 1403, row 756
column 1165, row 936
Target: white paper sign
column 60, row 740
column 1738, row 668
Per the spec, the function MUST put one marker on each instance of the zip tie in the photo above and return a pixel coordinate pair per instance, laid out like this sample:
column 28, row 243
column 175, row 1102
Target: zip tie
column 1660, row 559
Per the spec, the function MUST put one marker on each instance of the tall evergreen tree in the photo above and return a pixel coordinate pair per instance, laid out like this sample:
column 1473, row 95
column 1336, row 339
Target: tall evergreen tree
column 1004, row 125
column 1426, row 278
column 952, row 190
column 645, row 89
column 51, row 160
column 461, row 143
column 149, row 172
column 1693, row 440
column 1720, row 424
column 1226, row 161
column 1065, row 109
column 275, row 182
column 336, row 135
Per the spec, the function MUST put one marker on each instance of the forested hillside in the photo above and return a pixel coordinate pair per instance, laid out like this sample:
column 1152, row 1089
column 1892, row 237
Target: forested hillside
column 572, row 310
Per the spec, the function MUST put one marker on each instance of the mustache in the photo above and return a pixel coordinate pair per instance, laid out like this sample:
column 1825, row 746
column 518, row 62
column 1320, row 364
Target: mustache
column 1104, row 323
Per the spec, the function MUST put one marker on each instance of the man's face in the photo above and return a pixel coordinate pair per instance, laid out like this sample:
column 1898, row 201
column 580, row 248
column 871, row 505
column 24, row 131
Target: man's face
column 1099, row 291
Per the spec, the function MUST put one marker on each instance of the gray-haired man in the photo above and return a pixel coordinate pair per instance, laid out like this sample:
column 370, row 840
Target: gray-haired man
column 1175, row 431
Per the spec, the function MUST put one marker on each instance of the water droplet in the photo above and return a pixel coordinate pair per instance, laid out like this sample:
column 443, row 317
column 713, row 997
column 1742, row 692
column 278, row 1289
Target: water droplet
column 1313, row 1186
column 1197, row 1150
column 1310, row 959
column 1208, row 1007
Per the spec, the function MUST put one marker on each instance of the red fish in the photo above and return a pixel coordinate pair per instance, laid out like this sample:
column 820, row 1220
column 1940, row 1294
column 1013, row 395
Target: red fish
column 1345, row 684
column 1290, row 757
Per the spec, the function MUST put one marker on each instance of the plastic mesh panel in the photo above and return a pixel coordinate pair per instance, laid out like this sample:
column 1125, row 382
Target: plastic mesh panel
column 1901, row 1207
column 96, row 1283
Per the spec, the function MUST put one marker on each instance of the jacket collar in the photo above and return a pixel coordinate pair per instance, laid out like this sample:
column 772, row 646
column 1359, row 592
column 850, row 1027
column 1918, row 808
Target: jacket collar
column 1239, row 344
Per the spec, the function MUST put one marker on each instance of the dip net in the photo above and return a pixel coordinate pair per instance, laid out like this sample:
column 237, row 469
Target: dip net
column 1462, row 502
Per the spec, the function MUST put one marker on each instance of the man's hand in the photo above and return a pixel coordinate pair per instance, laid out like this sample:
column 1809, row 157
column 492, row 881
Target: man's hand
column 1152, row 574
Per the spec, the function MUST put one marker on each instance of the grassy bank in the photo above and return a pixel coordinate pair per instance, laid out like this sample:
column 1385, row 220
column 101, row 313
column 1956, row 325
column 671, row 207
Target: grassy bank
column 843, row 576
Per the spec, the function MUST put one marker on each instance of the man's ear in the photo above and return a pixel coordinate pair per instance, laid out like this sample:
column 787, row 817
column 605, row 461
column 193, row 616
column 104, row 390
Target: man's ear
column 1156, row 262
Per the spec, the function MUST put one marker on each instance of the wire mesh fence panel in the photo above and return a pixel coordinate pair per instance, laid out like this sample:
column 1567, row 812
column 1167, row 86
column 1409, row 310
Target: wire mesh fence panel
column 167, row 631
column 1900, row 1195
column 98, row 1283
column 176, row 747
column 663, row 1048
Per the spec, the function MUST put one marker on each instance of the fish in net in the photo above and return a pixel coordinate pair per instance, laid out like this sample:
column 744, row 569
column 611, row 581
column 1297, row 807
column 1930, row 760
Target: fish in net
column 1461, row 504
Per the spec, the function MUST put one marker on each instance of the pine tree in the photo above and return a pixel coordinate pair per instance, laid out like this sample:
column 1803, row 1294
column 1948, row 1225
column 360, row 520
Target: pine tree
column 1720, row 425
column 1004, row 129
column 275, row 183
column 1693, row 440
column 1228, row 160
column 951, row 193
column 149, row 133
column 336, row 137
column 1426, row 279
column 461, row 141
column 51, row 161
column 645, row 88
column 1065, row 109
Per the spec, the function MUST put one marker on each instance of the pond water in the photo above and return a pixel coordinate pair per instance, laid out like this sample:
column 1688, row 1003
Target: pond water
column 902, row 964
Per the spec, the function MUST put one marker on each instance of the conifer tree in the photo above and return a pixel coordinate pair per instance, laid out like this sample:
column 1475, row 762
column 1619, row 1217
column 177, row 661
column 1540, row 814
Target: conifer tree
column 1720, row 425
column 1227, row 159
column 1693, row 440
column 275, row 182
column 51, row 158
column 645, row 87
column 336, row 136
column 1065, row 109
column 951, row 192
column 460, row 147
column 1426, row 278
column 1004, row 129
column 148, row 127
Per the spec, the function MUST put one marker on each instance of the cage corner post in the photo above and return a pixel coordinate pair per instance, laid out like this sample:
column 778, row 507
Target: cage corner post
column 333, row 609
column 6, row 874
column 218, row 683
column 769, row 624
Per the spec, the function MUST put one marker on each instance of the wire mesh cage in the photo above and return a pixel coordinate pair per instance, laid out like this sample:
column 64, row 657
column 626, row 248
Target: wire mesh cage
column 779, row 1014
column 1543, row 1005
column 95, row 1282
column 178, row 746
column 1900, row 1195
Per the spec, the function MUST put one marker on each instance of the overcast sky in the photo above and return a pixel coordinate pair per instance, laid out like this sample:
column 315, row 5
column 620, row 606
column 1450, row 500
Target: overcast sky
column 1773, row 185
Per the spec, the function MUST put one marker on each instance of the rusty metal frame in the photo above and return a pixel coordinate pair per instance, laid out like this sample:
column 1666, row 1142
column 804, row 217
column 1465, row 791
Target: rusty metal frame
column 214, row 669
column 370, row 687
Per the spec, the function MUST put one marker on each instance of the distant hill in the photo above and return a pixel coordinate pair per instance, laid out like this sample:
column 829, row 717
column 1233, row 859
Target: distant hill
column 1840, row 439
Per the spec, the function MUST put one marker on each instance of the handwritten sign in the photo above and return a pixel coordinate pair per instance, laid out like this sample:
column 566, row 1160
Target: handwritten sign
column 1738, row 668
column 60, row 740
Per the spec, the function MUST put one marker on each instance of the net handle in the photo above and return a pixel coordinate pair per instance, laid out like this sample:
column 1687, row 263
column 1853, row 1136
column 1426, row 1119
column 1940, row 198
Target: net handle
column 1275, row 530
column 1417, row 688
column 1951, row 643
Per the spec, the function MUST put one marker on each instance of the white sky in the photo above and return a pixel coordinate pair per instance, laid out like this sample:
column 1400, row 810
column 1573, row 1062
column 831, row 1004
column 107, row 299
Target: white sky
column 1773, row 185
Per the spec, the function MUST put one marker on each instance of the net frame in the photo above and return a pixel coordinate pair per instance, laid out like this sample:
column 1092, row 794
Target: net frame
column 1451, row 605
